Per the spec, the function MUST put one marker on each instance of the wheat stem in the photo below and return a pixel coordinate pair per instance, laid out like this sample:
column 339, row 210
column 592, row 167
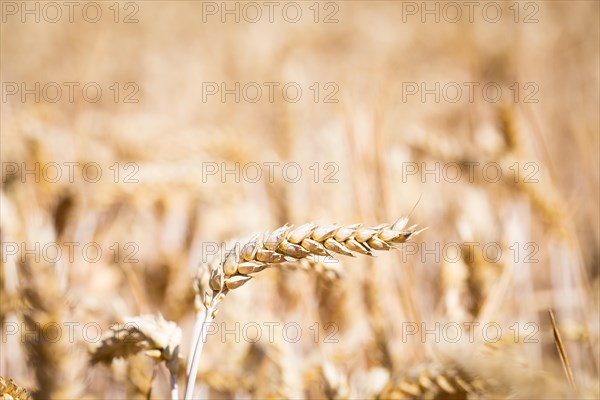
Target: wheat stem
column 173, row 367
column 195, row 333
column 203, row 319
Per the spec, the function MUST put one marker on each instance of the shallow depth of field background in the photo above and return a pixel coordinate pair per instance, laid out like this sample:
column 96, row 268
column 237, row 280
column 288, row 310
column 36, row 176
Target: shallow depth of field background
column 377, row 140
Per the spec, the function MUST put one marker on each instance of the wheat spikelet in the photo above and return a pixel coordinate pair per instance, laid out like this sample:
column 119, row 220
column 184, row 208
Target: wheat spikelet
column 9, row 390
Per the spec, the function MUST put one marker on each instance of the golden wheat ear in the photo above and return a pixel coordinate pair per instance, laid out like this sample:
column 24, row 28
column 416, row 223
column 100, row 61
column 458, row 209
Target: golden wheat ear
column 291, row 244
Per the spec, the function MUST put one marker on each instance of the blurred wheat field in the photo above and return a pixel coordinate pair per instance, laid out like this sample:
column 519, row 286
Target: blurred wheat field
column 168, row 164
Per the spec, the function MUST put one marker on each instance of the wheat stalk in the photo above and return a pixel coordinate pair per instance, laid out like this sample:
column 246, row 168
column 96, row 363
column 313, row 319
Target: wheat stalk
column 285, row 244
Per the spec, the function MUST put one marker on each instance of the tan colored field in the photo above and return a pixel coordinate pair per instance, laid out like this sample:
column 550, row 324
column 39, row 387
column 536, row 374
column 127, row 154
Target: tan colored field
column 137, row 137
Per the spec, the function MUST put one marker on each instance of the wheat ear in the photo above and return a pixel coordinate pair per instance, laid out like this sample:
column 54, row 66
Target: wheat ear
column 285, row 244
column 154, row 335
